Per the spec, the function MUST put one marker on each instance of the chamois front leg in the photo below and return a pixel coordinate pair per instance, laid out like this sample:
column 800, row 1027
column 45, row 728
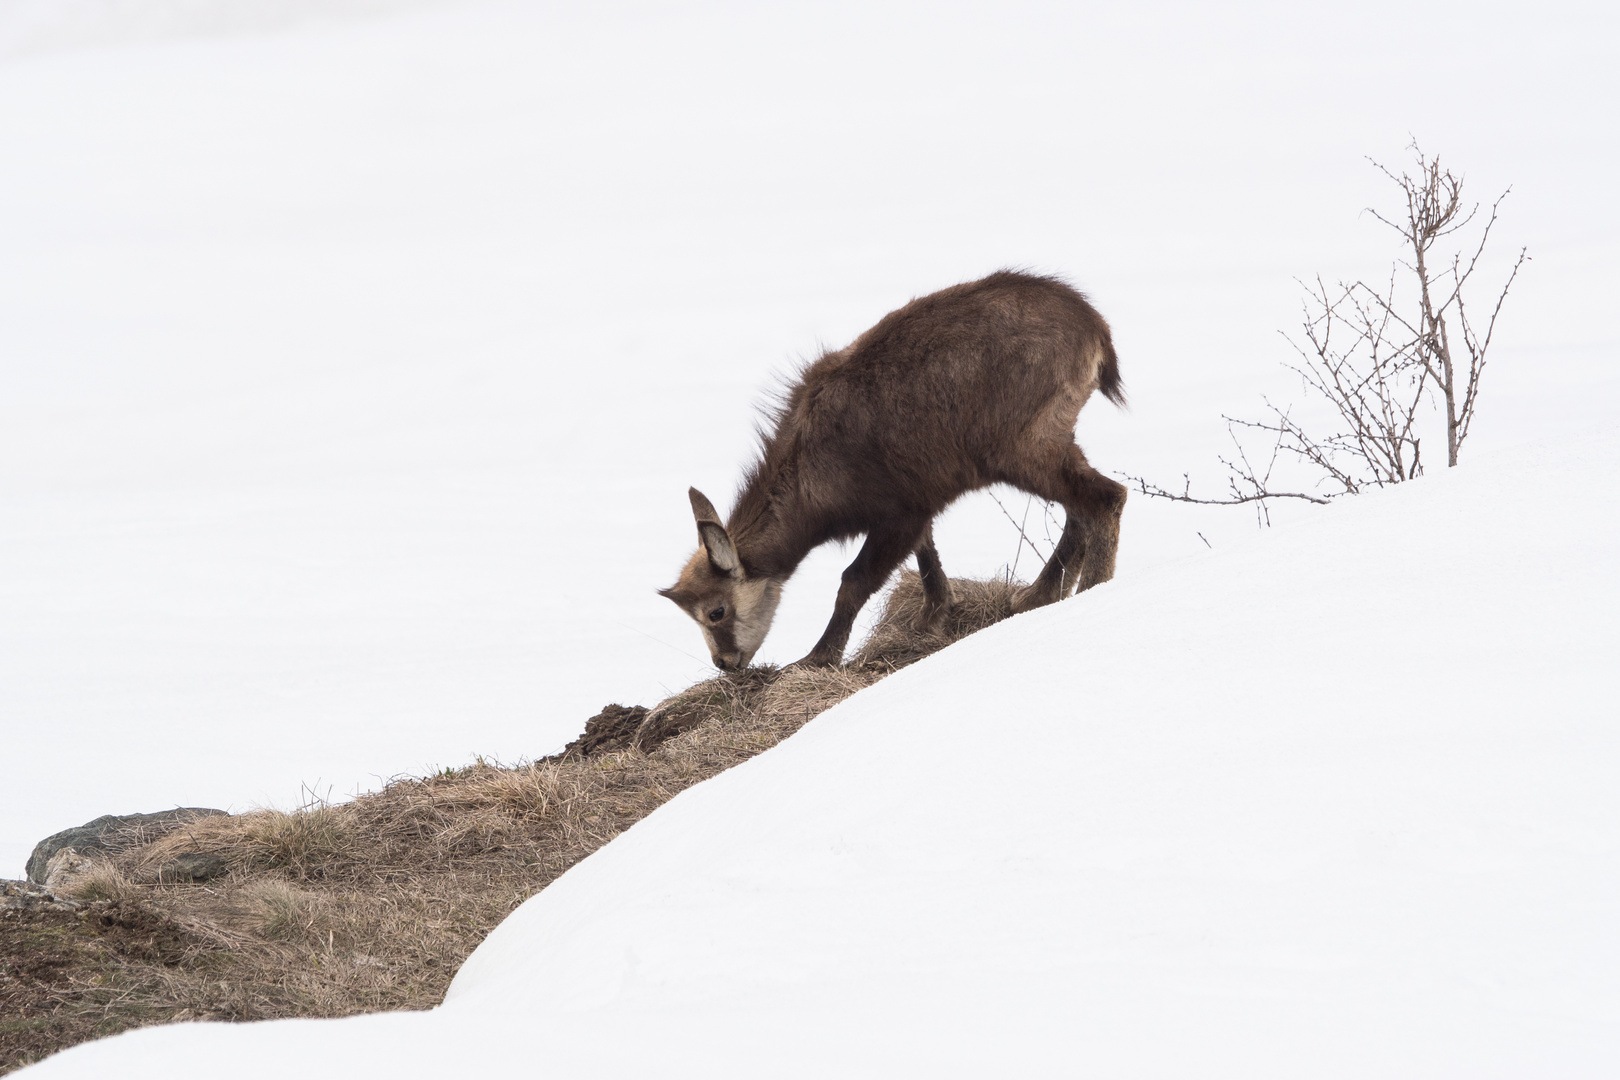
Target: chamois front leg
column 885, row 549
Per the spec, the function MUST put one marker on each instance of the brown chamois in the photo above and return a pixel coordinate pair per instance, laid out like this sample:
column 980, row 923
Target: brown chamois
column 974, row 385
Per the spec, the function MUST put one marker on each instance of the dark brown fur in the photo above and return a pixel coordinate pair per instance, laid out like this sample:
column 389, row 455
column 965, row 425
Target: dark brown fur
column 973, row 385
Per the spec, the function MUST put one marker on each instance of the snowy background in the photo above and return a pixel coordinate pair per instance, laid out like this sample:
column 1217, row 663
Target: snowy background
column 355, row 357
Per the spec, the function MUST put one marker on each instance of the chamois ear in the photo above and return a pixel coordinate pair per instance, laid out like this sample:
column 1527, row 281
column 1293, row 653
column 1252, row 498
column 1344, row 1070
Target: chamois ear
column 674, row 593
column 702, row 508
column 716, row 541
column 718, row 544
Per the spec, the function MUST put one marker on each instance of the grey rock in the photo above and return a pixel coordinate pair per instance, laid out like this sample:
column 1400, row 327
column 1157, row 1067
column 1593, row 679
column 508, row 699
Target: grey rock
column 66, row 869
column 109, row 833
column 27, row 896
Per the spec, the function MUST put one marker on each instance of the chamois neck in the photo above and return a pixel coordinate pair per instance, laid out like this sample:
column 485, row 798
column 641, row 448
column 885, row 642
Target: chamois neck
column 769, row 526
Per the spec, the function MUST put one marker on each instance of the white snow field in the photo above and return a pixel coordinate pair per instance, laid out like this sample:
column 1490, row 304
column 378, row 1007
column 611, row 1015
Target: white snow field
column 1339, row 801
column 355, row 356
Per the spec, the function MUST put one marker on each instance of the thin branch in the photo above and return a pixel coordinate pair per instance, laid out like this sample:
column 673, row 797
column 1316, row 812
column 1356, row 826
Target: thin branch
column 1021, row 534
column 1157, row 492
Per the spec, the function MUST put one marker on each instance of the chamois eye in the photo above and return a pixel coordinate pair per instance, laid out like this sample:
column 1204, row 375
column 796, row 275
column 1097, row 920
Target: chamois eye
column 717, row 614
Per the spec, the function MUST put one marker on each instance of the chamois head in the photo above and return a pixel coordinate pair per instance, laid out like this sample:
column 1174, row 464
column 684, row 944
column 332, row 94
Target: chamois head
column 733, row 610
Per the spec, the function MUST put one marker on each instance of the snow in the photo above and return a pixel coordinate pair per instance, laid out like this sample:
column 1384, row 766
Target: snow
column 1336, row 801
column 356, row 357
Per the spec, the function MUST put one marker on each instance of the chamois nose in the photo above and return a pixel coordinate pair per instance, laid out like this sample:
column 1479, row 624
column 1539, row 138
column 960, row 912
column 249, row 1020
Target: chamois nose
column 730, row 662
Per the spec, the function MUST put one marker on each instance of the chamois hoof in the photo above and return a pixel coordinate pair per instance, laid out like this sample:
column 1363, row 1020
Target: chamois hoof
column 931, row 619
column 815, row 660
column 1031, row 597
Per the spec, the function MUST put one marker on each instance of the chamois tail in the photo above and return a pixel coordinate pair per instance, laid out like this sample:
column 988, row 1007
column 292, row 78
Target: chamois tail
column 1108, row 380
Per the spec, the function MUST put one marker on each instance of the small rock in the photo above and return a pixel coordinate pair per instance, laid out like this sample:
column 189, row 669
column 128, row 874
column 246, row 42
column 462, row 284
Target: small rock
column 65, row 870
column 27, row 896
column 108, row 832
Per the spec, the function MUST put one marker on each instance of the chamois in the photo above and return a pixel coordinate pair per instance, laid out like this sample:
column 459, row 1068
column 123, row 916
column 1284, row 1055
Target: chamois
column 970, row 386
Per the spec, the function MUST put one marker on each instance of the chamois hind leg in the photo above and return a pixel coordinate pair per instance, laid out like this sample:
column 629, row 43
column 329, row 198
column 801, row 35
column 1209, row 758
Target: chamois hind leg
column 937, row 598
column 885, row 549
column 1104, row 506
column 1053, row 582
column 1086, row 550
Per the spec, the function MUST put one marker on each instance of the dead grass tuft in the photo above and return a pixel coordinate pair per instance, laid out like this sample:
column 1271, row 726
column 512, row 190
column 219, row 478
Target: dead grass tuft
column 302, row 843
column 103, row 881
column 372, row 904
column 275, row 910
column 896, row 641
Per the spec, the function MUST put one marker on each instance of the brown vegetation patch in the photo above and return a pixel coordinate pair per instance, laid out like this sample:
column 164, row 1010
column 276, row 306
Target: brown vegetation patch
column 896, row 641
column 67, row 976
column 372, row 904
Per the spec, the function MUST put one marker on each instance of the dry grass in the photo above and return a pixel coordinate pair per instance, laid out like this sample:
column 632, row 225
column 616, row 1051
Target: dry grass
column 896, row 641
column 104, row 882
column 372, row 904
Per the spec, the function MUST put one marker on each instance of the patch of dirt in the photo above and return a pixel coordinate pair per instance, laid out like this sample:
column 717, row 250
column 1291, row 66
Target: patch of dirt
column 612, row 729
column 69, row 976
column 138, row 931
column 373, row 904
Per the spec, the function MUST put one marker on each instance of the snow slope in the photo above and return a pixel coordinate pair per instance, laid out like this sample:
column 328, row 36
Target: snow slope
column 1338, row 801
column 355, row 356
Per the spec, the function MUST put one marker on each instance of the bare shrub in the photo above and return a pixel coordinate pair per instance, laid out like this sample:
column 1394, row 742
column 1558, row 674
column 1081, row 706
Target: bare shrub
column 1379, row 357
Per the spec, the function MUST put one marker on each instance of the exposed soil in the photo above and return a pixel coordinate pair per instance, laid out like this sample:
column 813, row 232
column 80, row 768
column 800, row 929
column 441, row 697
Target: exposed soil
column 66, row 976
column 373, row 904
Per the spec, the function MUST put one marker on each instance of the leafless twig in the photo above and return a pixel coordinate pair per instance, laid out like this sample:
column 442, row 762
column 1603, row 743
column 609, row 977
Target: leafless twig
column 1374, row 357
column 1023, row 537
